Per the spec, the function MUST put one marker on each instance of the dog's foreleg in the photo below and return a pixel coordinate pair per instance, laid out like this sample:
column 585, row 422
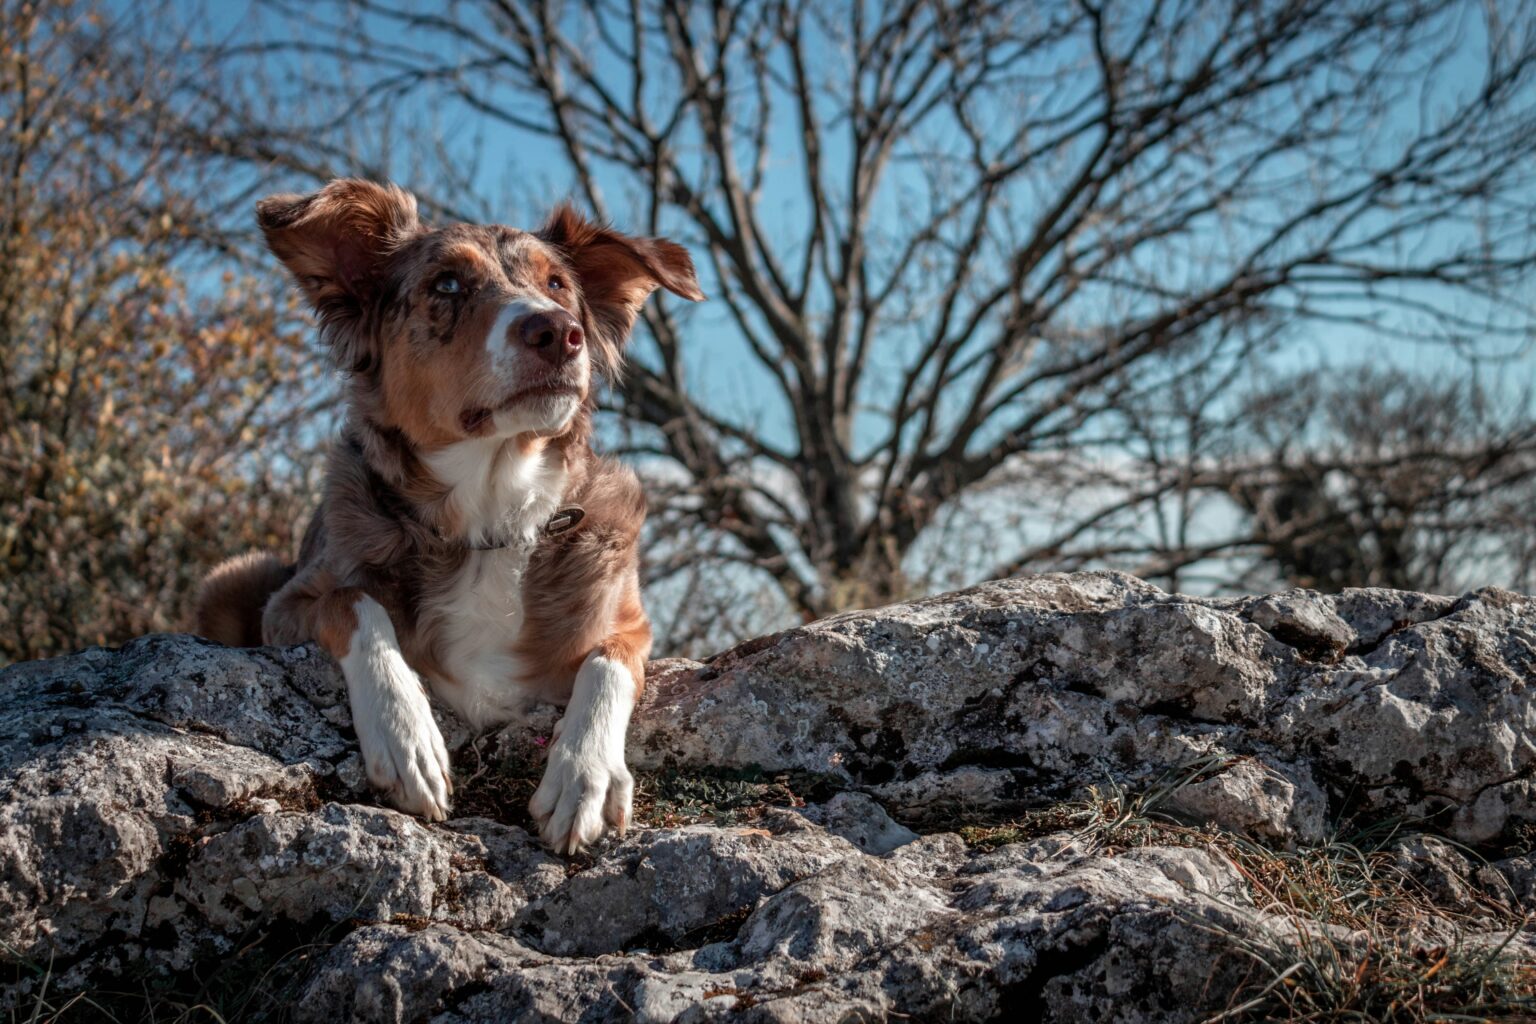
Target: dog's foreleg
column 402, row 745
column 586, row 783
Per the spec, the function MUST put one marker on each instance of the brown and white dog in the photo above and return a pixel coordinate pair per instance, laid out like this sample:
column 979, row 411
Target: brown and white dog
column 467, row 536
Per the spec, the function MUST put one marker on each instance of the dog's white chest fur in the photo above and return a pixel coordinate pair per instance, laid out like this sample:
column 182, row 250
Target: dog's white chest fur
column 504, row 497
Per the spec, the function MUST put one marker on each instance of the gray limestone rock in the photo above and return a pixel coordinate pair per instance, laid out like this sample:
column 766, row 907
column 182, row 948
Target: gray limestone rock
column 159, row 801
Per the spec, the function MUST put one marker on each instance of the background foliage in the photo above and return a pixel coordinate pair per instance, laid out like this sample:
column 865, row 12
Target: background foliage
column 151, row 392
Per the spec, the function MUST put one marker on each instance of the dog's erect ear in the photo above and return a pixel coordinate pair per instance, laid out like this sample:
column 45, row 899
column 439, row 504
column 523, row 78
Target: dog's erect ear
column 617, row 274
column 335, row 243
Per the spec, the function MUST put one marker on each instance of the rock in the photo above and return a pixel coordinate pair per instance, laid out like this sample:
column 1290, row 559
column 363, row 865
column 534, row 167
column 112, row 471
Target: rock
column 345, row 861
column 1512, row 880
column 395, row 973
column 1022, row 692
column 108, row 760
column 1436, row 720
column 862, row 822
column 658, row 888
column 161, row 802
column 919, row 931
column 1255, row 799
column 1372, row 614
column 1304, row 620
column 1443, row 874
column 961, row 793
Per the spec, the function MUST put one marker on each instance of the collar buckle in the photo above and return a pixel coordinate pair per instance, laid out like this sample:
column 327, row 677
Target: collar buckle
column 565, row 519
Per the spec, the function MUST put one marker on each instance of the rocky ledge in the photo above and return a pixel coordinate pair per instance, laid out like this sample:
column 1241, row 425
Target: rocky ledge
column 1075, row 798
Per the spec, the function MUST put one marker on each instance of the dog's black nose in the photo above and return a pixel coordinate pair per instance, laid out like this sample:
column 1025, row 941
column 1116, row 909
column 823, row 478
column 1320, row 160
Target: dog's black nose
column 554, row 335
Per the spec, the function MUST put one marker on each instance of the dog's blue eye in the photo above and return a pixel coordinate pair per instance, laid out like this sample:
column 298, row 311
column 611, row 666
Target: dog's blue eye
column 448, row 285
column 555, row 284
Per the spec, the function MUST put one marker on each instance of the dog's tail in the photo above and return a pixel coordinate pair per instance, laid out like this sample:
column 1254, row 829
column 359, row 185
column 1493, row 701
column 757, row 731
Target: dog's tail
column 233, row 595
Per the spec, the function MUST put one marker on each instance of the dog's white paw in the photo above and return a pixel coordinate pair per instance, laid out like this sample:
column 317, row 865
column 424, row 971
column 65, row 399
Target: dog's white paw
column 586, row 784
column 403, row 749
column 402, row 745
column 580, row 794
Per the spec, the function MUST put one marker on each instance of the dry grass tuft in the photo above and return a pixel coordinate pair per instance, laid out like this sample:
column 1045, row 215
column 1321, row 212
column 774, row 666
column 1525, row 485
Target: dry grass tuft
column 1366, row 942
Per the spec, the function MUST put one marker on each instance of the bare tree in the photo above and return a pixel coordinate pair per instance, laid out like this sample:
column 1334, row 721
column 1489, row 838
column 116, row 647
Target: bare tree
column 952, row 238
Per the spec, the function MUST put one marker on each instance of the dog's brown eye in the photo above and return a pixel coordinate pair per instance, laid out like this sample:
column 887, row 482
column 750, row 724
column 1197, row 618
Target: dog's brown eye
column 448, row 285
column 555, row 284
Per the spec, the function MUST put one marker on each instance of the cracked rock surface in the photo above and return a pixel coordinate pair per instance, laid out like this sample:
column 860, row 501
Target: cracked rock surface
column 1033, row 689
column 162, row 802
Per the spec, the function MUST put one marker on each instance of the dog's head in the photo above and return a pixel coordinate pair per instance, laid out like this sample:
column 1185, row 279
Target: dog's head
column 467, row 330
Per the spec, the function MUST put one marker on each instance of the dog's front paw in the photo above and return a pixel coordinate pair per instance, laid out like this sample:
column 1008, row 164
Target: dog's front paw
column 404, row 751
column 582, row 790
